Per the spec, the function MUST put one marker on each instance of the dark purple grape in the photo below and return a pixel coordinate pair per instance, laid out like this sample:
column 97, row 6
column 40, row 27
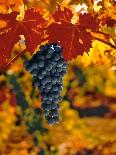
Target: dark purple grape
column 50, row 120
column 40, row 75
column 54, row 105
column 48, row 67
column 41, row 63
column 55, row 113
column 49, row 85
column 57, row 119
column 34, row 72
column 46, row 106
column 54, row 88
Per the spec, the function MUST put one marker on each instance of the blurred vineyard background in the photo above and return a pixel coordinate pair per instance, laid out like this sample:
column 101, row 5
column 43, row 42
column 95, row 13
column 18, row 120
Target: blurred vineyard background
column 88, row 109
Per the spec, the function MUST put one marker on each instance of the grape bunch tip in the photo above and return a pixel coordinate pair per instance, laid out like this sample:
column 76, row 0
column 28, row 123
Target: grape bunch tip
column 48, row 68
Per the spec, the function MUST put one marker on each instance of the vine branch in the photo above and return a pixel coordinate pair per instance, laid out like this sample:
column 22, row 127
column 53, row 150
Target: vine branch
column 2, row 70
column 107, row 43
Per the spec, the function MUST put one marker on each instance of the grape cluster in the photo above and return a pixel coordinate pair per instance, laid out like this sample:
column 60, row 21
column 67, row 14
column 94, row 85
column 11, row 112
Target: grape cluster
column 47, row 67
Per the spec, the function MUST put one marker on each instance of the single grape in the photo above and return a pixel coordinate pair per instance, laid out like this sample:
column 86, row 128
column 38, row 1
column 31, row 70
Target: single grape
column 49, row 85
column 54, row 105
column 51, row 49
column 34, row 72
column 50, row 120
column 56, row 119
column 57, row 57
column 55, row 112
column 60, row 63
column 35, row 66
column 46, row 106
column 41, row 63
column 48, row 67
column 54, row 88
column 40, row 75
column 57, row 48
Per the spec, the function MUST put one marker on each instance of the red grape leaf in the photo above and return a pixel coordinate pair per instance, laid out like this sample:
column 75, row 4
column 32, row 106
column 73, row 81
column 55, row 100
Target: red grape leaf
column 89, row 21
column 63, row 15
column 8, row 37
column 111, row 22
column 108, row 21
column 30, row 27
column 72, row 38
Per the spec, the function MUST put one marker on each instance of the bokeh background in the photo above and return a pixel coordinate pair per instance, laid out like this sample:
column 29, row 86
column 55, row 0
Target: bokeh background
column 88, row 109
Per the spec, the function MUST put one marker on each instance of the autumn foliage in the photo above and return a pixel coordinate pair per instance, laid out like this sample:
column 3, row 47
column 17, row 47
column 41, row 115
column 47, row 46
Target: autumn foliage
column 86, row 30
column 37, row 27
